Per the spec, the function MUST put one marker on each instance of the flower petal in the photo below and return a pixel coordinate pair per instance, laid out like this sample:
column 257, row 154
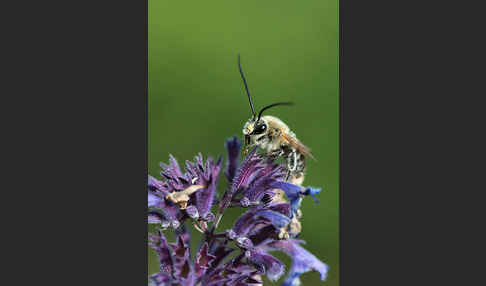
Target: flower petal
column 203, row 260
column 207, row 177
column 153, row 200
column 277, row 219
column 302, row 260
column 169, row 210
column 291, row 191
column 192, row 212
column 156, row 185
column 260, row 187
column 312, row 192
column 205, row 198
column 174, row 166
column 266, row 263
column 283, row 208
column 244, row 223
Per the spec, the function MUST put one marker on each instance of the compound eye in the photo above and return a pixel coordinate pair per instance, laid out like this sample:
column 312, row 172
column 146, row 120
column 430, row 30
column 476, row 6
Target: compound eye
column 259, row 129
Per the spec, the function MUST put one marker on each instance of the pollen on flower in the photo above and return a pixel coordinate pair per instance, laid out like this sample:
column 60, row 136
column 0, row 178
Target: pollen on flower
column 187, row 197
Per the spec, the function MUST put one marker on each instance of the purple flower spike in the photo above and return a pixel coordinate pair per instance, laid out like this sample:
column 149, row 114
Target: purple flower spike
column 189, row 194
column 233, row 147
column 243, row 177
column 302, row 261
column 194, row 188
column 247, row 171
column 266, row 264
column 205, row 198
column 206, row 175
column 276, row 171
column 260, row 187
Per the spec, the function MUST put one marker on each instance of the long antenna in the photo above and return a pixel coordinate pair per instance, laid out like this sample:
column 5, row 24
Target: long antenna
column 246, row 87
column 272, row 105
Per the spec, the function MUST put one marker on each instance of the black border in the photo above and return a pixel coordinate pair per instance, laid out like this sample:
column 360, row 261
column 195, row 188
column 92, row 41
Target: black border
column 76, row 160
column 408, row 136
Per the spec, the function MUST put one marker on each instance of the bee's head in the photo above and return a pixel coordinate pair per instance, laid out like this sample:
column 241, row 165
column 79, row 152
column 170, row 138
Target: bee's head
column 254, row 127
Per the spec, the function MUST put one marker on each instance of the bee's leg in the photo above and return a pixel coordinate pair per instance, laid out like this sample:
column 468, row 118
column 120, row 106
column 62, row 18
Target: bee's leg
column 294, row 162
column 247, row 145
column 291, row 164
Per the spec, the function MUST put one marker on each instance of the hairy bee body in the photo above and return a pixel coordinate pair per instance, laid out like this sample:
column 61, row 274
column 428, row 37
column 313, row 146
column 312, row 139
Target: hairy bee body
column 274, row 138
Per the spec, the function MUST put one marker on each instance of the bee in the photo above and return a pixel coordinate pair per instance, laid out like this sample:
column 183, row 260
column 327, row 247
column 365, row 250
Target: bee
column 273, row 135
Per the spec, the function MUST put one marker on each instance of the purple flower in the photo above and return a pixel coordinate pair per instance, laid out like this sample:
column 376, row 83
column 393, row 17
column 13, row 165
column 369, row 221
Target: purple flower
column 263, row 185
column 244, row 175
column 208, row 178
column 277, row 219
column 183, row 194
column 266, row 263
column 302, row 260
column 188, row 195
column 295, row 193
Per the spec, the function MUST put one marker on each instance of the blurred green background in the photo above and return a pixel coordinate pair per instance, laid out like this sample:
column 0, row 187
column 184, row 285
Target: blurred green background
column 289, row 52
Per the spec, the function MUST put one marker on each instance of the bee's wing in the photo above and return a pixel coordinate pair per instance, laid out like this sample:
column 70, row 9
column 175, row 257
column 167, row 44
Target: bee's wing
column 297, row 145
